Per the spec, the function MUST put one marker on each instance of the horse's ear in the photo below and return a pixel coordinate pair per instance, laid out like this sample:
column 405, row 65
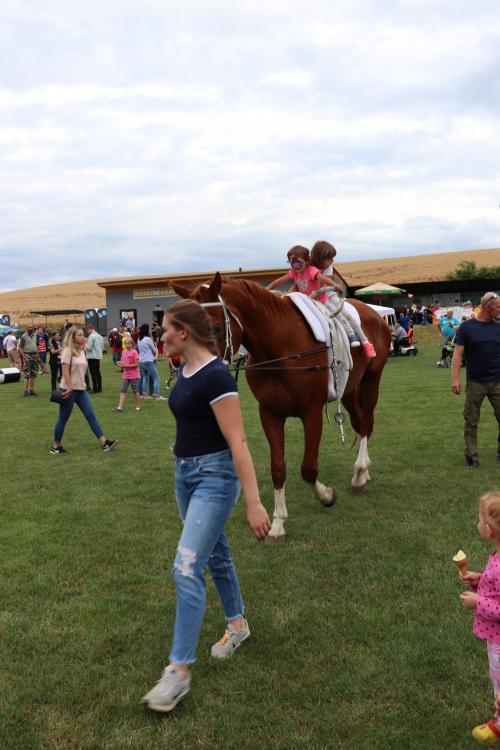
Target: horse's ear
column 181, row 291
column 216, row 285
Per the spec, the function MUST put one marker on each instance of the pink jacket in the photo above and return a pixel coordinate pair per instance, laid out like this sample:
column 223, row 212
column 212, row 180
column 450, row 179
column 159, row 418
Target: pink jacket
column 487, row 617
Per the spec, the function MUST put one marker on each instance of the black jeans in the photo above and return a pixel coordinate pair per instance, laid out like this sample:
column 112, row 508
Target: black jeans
column 95, row 374
column 55, row 370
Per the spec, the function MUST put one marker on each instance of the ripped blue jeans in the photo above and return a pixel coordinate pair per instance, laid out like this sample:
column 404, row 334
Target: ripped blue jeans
column 207, row 488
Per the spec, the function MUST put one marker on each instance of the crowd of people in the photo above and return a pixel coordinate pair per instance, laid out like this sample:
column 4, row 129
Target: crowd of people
column 36, row 351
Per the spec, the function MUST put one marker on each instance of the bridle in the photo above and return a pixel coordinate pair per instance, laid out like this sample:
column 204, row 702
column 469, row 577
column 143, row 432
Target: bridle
column 229, row 349
column 228, row 314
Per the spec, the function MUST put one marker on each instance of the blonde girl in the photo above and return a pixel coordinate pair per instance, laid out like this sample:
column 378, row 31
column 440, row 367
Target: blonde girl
column 129, row 365
column 484, row 599
column 322, row 255
column 74, row 368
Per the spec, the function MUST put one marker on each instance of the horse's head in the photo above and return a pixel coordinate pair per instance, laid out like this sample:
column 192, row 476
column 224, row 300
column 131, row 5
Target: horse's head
column 225, row 320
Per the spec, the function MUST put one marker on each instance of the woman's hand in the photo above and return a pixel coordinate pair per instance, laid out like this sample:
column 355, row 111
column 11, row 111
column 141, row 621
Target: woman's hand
column 67, row 393
column 470, row 579
column 469, row 599
column 258, row 520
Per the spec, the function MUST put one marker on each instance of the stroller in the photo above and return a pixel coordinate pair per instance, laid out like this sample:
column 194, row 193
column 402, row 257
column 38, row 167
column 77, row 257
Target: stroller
column 174, row 362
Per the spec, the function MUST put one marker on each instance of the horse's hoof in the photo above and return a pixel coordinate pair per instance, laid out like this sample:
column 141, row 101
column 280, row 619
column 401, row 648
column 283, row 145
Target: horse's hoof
column 330, row 502
column 281, row 539
column 358, row 489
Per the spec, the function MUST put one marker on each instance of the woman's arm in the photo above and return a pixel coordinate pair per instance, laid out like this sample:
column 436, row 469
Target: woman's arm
column 67, row 379
column 228, row 415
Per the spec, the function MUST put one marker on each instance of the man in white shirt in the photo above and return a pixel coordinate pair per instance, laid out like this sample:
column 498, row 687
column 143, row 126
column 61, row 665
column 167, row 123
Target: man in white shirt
column 93, row 351
column 10, row 346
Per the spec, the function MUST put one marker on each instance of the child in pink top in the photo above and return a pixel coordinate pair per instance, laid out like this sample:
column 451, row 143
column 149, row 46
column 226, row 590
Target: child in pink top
column 484, row 598
column 129, row 365
column 308, row 279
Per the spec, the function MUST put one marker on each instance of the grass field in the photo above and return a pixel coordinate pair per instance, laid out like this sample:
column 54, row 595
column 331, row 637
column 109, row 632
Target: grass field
column 358, row 638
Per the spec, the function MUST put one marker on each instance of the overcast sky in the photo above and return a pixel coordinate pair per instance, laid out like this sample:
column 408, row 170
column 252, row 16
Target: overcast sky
column 150, row 136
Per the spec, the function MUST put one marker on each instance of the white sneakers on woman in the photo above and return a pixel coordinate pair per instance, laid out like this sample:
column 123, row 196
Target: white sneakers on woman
column 230, row 641
column 171, row 688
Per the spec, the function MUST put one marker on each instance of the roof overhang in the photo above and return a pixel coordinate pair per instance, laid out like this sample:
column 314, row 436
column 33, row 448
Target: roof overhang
column 193, row 279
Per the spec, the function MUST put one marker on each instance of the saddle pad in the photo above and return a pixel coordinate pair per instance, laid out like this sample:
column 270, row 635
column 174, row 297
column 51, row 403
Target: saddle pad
column 327, row 332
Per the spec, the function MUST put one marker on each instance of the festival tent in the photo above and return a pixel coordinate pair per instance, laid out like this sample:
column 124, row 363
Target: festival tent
column 388, row 313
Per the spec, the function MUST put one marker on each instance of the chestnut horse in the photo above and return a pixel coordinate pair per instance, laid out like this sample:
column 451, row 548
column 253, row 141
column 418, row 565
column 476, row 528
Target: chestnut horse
column 270, row 327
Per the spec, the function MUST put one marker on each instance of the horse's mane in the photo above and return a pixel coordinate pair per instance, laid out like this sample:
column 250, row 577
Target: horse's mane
column 271, row 303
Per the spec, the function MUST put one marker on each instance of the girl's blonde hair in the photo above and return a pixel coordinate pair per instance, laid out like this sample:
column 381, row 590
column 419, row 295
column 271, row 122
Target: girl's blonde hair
column 322, row 252
column 189, row 314
column 70, row 343
column 489, row 506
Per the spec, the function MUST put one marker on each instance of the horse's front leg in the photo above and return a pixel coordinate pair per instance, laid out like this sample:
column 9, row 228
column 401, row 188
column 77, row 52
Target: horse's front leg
column 313, row 427
column 274, row 427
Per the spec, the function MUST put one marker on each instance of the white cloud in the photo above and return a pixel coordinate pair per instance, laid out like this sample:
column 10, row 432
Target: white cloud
column 148, row 136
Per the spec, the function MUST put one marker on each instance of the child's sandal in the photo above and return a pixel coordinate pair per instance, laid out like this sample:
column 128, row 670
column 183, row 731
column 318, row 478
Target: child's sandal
column 488, row 732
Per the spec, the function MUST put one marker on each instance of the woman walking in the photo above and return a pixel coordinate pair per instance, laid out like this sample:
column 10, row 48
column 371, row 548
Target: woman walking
column 74, row 368
column 211, row 456
column 147, row 360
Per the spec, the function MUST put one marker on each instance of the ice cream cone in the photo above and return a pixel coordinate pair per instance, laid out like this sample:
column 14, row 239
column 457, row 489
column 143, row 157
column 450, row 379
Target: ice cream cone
column 460, row 560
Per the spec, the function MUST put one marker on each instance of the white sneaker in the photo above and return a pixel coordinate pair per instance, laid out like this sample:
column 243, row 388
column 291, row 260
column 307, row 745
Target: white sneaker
column 230, row 641
column 168, row 691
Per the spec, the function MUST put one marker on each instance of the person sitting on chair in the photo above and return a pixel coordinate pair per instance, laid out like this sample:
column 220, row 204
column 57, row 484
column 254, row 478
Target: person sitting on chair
column 400, row 337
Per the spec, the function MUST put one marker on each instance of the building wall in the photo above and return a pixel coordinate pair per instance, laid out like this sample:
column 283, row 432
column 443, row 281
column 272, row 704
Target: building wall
column 117, row 301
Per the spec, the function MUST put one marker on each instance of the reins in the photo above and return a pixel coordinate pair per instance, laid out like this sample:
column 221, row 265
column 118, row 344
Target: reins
column 263, row 366
column 299, row 355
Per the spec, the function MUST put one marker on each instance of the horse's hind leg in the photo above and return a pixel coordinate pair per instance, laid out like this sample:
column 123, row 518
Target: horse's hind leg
column 362, row 419
column 313, row 427
column 361, row 466
column 362, row 463
column 274, row 427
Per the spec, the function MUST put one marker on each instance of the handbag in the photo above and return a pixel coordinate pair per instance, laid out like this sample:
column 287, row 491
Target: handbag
column 56, row 395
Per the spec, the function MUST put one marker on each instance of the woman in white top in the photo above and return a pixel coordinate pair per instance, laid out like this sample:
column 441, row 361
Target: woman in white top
column 74, row 368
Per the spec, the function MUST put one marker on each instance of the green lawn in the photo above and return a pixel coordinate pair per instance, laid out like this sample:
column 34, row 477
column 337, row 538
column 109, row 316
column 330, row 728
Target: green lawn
column 358, row 638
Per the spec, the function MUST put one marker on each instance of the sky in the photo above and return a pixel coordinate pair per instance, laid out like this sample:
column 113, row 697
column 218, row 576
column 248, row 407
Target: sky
column 151, row 136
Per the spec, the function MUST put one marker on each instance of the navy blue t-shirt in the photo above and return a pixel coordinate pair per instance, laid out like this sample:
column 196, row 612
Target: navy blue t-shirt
column 190, row 401
column 482, row 350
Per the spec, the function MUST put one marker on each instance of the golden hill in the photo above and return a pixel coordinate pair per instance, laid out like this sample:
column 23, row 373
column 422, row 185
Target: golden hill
column 413, row 268
column 403, row 270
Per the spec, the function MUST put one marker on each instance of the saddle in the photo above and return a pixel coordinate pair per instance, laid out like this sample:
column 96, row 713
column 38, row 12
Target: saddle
column 328, row 331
